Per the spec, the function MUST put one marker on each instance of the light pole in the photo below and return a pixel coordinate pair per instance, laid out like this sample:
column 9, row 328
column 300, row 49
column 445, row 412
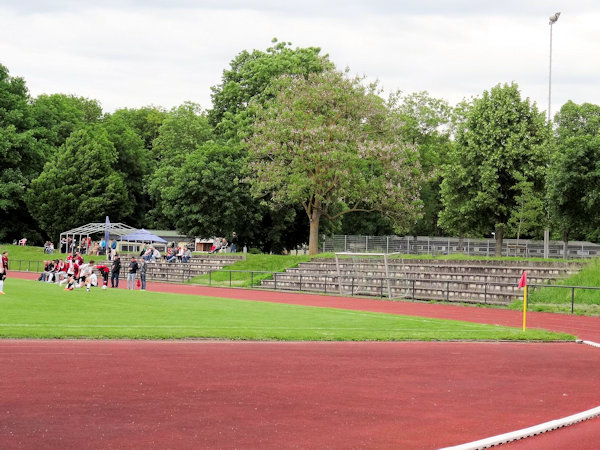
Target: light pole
column 553, row 18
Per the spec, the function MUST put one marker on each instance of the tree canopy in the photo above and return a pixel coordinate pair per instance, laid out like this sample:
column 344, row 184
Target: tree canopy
column 80, row 184
column 21, row 157
column 331, row 144
column 573, row 183
column 501, row 142
column 248, row 79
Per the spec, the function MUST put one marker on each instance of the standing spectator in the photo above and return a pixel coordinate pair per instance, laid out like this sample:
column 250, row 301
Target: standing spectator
column 3, row 271
column 116, row 270
column 234, row 240
column 113, row 248
column 132, row 273
column 63, row 243
column 143, row 269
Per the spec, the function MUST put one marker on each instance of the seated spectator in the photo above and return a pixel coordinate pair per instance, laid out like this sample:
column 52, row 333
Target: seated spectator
column 216, row 246
column 155, row 255
column 179, row 254
column 187, row 254
column 148, row 254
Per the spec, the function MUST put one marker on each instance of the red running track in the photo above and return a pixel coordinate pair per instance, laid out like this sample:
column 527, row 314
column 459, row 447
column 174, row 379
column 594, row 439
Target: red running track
column 99, row 394
column 273, row 395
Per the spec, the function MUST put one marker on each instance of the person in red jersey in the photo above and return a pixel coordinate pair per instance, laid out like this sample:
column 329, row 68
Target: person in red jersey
column 3, row 270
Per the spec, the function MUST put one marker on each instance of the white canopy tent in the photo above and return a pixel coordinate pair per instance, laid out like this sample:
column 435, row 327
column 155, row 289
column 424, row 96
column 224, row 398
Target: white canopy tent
column 116, row 230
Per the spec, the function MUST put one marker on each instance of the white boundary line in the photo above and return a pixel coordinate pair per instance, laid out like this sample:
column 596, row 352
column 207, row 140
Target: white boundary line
column 592, row 343
column 527, row 432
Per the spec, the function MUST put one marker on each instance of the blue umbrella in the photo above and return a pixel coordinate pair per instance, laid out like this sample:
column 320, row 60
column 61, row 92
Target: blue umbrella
column 143, row 236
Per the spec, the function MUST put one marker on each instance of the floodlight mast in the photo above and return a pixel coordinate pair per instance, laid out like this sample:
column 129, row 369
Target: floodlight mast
column 553, row 18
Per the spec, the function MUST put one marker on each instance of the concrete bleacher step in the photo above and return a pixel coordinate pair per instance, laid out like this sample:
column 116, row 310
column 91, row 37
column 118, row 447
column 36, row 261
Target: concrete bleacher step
column 464, row 280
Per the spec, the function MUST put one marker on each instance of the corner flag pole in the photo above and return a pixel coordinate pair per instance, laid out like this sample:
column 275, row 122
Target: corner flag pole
column 524, row 307
column 523, row 284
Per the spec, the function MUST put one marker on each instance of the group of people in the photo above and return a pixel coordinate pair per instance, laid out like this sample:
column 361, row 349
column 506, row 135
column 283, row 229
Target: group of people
column 221, row 244
column 76, row 273
column 181, row 254
column 88, row 247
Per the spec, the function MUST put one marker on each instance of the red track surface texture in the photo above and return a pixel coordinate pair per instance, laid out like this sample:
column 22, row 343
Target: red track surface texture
column 139, row 394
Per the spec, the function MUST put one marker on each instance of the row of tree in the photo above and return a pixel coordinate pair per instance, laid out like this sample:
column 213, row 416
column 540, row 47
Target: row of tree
column 290, row 147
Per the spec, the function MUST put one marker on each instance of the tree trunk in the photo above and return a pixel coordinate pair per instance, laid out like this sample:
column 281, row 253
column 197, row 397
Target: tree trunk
column 566, row 244
column 499, row 238
column 313, row 237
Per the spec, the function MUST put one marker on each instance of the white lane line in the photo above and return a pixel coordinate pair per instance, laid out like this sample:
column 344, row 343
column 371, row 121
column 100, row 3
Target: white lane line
column 592, row 343
column 527, row 432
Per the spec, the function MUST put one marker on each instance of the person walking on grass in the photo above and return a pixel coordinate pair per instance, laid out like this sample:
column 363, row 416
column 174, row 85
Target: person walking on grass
column 3, row 271
column 132, row 273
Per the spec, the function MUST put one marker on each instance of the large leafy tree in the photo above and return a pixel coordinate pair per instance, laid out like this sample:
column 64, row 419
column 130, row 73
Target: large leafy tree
column 182, row 131
column 573, row 183
column 144, row 121
column 331, row 144
column 133, row 163
column 426, row 125
column 500, row 142
column 56, row 116
column 80, row 185
column 208, row 196
column 21, row 158
column 247, row 80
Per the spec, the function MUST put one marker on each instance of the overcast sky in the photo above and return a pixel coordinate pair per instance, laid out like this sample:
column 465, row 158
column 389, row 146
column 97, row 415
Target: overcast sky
column 141, row 52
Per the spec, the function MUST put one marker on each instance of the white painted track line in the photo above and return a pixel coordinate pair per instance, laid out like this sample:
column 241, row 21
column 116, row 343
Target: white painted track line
column 527, row 432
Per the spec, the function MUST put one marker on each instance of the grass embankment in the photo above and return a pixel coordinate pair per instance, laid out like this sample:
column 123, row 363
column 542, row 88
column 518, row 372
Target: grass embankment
column 39, row 310
column 252, row 263
column 555, row 299
column 29, row 253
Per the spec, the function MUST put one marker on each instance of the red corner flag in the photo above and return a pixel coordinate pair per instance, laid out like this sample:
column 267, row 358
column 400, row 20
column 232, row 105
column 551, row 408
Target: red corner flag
column 523, row 281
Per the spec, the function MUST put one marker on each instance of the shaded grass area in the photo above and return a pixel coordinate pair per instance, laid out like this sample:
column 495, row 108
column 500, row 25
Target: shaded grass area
column 40, row 310
column 558, row 299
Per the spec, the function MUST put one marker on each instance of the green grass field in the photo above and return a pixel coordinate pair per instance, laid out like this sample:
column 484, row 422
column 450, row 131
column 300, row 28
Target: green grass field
column 38, row 310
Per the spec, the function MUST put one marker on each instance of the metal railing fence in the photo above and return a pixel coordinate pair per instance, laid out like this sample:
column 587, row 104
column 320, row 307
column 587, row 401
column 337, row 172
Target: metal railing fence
column 353, row 285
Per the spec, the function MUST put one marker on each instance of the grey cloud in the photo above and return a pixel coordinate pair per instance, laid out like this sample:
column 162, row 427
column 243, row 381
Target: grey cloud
column 318, row 8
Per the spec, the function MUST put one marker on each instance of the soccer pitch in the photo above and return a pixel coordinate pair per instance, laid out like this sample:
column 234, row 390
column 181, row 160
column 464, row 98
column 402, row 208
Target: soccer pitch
column 39, row 310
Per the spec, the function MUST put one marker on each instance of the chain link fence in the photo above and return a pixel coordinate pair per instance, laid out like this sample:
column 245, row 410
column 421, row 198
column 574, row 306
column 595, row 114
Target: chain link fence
column 425, row 245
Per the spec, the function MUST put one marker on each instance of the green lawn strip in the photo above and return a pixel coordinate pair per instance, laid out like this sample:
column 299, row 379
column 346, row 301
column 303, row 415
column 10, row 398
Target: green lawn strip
column 38, row 310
